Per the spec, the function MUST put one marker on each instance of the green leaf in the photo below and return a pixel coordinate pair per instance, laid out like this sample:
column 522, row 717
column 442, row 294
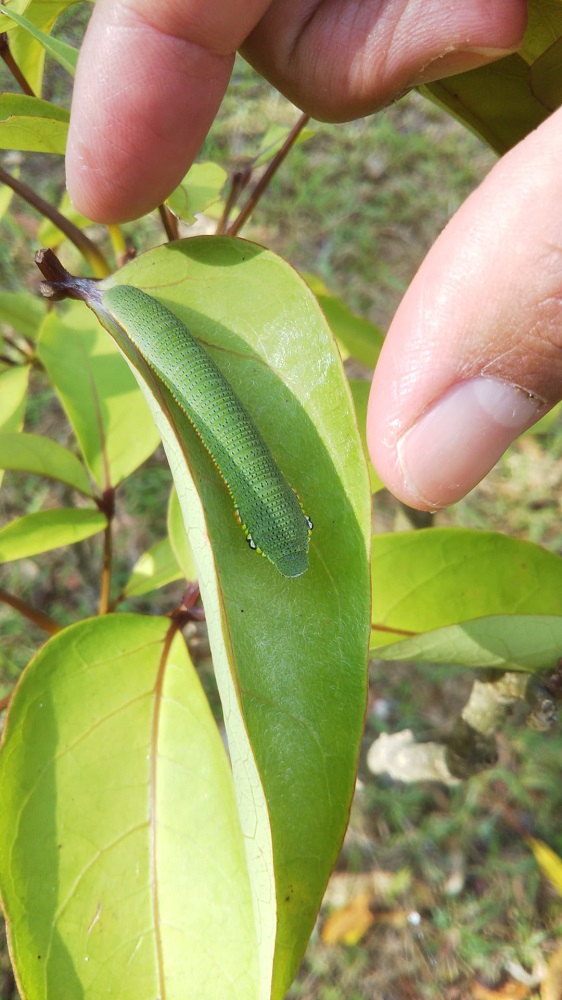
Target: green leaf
column 289, row 653
column 33, row 453
column 102, row 402
column 504, row 642
column 65, row 54
column 121, row 858
column 200, row 188
column 360, row 392
column 155, row 568
column 27, row 51
column 48, row 529
column 425, row 579
column 7, row 193
column 13, row 395
column 50, row 235
column 27, row 123
column 14, row 383
column 359, row 338
column 504, row 101
column 179, row 541
column 22, row 311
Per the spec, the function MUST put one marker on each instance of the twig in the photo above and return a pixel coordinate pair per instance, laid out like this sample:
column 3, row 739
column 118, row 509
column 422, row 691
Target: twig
column 37, row 617
column 264, row 181
column 169, row 222
column 107, row 506
column 83, row 244
column 377, row 627
column 16, row 72
column 238, row 182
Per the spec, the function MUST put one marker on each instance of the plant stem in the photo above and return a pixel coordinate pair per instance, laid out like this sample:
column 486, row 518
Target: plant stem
column 106, row 571
column 89, row 250
column 238, row 182
column 169, row 222
column 264, row 181
column 107, row 506
column 377, row 627
column 37, row 617
column 16, row 72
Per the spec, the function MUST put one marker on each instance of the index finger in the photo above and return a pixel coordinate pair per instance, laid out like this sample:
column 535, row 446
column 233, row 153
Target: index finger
column 150, row 79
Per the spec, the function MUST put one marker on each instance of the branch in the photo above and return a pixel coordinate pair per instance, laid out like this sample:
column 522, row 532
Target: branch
column 37, row 617
column 169, row 222
column 264, row 181
column 16, row 72
column 107, row 506
column 238, row 182
column 83, row 244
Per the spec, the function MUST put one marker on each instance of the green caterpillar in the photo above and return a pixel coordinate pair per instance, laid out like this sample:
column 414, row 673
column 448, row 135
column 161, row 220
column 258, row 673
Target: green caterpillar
column 267, row 507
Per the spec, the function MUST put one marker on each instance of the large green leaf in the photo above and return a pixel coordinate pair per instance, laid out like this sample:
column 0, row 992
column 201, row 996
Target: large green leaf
column 33, row 453
column 289, row 653
column 504, row 101
column 503, row 642
column 423, row 580
column 27, row 123
column 48, row 529
column 102, row 402
column 122, row 867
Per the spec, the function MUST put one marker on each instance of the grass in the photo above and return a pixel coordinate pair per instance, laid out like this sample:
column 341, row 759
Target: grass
column 359, row 205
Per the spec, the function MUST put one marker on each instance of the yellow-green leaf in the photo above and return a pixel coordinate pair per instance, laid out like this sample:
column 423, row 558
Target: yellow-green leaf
column 154, row 569
column 48, row 529
column 33, row 453
column 122, row 866
column 28, row 123
column 103, row 404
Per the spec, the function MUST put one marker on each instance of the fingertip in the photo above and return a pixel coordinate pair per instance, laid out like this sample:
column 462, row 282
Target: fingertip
column 143, row 102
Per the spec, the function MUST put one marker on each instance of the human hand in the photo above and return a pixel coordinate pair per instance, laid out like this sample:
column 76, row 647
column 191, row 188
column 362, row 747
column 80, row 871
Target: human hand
column 481, row 316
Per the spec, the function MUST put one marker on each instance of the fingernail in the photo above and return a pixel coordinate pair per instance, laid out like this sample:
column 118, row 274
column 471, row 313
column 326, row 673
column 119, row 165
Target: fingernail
column 460, row 438
column 458, row 61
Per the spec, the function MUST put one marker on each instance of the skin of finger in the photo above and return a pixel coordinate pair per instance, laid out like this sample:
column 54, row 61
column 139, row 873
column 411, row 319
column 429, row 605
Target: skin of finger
column 487, row 300
column 147, row 87
column 145, row 95
column 342, row 59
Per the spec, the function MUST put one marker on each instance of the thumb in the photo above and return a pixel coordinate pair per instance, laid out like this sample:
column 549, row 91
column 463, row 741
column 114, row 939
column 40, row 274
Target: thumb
column 474, row 354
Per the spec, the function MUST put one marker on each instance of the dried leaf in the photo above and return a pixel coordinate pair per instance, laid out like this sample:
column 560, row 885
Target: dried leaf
column 551, row 988
column 349, row 924
column 510, row 990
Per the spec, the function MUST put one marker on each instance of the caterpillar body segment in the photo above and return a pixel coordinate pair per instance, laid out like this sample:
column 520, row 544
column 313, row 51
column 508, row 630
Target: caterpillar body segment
column 266, row 506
